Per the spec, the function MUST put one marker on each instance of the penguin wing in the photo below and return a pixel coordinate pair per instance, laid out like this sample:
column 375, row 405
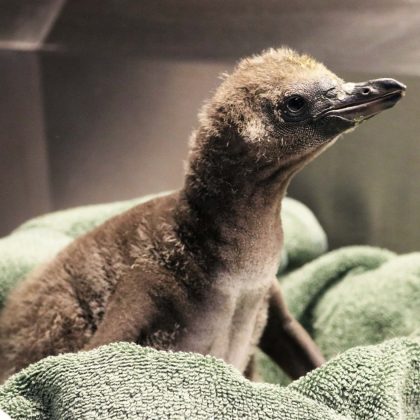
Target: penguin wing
column 130, row 310
column 286, row 341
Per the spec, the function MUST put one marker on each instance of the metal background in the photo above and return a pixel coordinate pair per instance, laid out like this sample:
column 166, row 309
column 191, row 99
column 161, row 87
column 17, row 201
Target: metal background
column 98, row 99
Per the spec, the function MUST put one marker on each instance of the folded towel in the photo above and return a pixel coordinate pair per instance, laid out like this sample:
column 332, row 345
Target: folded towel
column 126, row 381
column 355, row 296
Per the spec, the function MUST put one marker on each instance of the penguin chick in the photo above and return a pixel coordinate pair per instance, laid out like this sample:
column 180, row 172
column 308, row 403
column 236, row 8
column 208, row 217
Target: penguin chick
column 195, row 270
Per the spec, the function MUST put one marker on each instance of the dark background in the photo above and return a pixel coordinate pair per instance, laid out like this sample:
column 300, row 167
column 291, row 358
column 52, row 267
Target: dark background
column 98, row 99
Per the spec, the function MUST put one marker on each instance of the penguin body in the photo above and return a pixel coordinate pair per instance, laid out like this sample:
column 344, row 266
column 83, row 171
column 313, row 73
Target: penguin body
column 195, row 270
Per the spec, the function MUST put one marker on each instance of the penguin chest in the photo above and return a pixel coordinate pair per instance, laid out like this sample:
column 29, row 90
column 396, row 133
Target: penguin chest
column 229, row 324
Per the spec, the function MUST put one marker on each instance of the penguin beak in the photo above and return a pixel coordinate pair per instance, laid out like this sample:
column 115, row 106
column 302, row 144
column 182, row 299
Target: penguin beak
column 361, row 101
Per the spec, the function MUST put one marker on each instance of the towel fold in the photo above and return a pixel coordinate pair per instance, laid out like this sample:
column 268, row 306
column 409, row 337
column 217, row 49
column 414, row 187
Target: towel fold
column 125, row 381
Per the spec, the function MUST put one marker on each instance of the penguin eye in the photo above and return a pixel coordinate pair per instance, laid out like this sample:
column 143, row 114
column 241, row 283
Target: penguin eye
column 294, row 108
column 295, row 104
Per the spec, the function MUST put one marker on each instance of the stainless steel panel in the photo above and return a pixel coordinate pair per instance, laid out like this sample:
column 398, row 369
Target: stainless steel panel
column 119, row 85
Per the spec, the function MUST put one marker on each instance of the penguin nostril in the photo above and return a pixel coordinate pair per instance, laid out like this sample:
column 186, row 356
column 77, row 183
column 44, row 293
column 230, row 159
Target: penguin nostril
column 365, row 91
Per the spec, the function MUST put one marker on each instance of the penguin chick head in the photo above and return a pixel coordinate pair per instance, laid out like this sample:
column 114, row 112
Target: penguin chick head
column 286, row 106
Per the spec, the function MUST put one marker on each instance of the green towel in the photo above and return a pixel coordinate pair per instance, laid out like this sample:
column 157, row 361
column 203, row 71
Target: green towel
column 348, row 297
column 356, row 296
column 126, row 381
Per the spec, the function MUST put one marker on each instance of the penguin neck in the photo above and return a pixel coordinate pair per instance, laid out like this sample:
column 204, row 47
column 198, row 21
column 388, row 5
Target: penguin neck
column 230, row 203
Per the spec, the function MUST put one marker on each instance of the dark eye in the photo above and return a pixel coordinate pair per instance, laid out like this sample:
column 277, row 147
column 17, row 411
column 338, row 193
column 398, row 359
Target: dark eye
column 295, row 104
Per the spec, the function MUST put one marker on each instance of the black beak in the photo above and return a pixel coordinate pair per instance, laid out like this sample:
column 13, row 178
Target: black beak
column 364, row 100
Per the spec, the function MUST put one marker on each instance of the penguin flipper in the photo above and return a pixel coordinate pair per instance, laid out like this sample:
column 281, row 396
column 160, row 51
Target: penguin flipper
column 129, row 312
column 286, row 341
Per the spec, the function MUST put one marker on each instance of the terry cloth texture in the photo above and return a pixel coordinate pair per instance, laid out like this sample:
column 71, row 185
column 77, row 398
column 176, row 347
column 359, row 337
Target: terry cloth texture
column 352, row 296
column 126, row 381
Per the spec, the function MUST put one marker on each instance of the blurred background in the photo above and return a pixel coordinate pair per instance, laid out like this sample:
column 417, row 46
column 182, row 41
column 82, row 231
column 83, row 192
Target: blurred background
column 98, row 99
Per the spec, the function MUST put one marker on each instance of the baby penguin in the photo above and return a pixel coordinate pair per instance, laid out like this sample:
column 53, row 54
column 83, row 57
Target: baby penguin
column 195, row 270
